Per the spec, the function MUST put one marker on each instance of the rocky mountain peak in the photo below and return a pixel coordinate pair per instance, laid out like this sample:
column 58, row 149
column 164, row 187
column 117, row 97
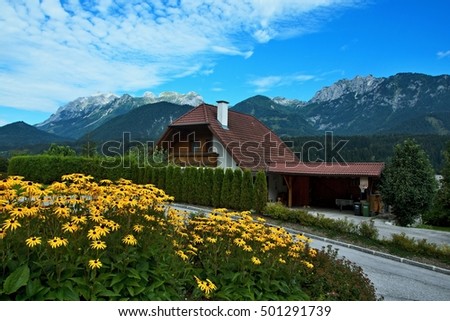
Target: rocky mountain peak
column 359, row 86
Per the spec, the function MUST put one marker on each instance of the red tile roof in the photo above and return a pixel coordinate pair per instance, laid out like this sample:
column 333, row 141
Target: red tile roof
column 251, row 144
column 329, row 169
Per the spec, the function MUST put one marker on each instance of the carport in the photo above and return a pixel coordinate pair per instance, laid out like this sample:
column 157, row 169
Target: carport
column 326, row 184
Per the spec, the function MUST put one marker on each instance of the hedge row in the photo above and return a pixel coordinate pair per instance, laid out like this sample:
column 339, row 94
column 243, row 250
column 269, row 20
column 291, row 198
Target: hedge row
column 233, row 189
column 47, row 169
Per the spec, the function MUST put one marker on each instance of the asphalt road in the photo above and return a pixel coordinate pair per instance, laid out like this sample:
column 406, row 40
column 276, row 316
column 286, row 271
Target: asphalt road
column 396, row 281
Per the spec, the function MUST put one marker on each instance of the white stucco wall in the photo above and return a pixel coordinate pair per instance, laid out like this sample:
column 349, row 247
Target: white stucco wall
column 275, row 186
column 224, row 159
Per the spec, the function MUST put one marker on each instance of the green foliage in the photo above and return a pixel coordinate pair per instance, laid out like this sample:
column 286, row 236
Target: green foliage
column 3, row 165
column 236, row 185
column 261, row 195
column 247, row 192
column 226, row 190
column 408, row 182
column 170, row 182
column 339, row 279
column 59, row 150
column 177, row 183
column 439, row 215
column 47, row 169
column 207, row 187
column 368, row 230
column 217, row 187
column 89, row 148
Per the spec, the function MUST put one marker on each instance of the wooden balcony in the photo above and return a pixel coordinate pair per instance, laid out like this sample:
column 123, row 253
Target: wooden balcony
column 197, row 159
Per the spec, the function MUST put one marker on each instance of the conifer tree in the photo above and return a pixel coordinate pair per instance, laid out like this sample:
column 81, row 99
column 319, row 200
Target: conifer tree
column 236, row 185
column 191, row 182
column 177, row 183
column 260, row 200
column 162, row 178
column 148, row 172
column 207, row 187
column 169, row 180
column 225, row 195
column 247, row 193
column 217, row 187
column 198, row 182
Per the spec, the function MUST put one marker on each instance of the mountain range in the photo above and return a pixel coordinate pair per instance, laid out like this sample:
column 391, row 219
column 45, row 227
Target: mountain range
column 406, row 103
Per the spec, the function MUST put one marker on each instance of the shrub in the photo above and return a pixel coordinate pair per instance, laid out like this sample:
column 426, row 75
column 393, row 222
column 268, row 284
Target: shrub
column 338, row 279
column 403, row 242
column 367, row 229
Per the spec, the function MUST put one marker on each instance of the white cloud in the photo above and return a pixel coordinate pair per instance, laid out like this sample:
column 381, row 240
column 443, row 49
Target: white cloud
column 3, row 122
column 266, row 83
column 57, row 51
column 443, row 54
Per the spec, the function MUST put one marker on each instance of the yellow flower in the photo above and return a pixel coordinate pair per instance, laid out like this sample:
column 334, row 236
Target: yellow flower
column 247, row 248
column 102, row 229
column 70, row 227
column 2, row 233
column 33, row 241
column 18, row 212
column 113, row 225
column 239, row 242
column 211, row 239
column 62, row 211
column 307, row 264
column 79, row 219
column 281, row 260
column 312, row 252
column 256, row 261
column 93, row 235
column 96, row 217
column 57, row 242
column 95, row 264
column 129, row 240
column 138, row 228
column 205, row 286
column 98, row 245
column 11, row 224
column 181, row 254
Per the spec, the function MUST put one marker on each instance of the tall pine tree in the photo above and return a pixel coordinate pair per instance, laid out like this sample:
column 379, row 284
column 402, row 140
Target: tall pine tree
column 225, row 195
column 247, row 193
column 217, row 187
column 260, row 200
column 236, row 185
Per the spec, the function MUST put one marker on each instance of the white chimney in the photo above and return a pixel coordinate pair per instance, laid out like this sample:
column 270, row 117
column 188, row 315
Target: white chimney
column 222, row 112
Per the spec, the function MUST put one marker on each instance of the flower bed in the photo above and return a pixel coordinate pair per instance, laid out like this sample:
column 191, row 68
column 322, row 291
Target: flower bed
column 84, row 240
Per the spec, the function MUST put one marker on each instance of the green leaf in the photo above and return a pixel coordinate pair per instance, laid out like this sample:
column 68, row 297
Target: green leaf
column 17, row 279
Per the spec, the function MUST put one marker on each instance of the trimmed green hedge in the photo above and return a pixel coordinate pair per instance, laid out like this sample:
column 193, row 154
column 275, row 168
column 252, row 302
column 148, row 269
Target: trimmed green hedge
column 208, row 187
column 47, row 169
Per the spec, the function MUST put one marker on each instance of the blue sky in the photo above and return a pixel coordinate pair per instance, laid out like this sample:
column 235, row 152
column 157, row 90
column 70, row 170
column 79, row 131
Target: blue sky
column 56, row 51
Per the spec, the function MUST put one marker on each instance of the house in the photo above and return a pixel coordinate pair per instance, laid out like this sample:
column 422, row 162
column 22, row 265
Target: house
column 215, row 136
